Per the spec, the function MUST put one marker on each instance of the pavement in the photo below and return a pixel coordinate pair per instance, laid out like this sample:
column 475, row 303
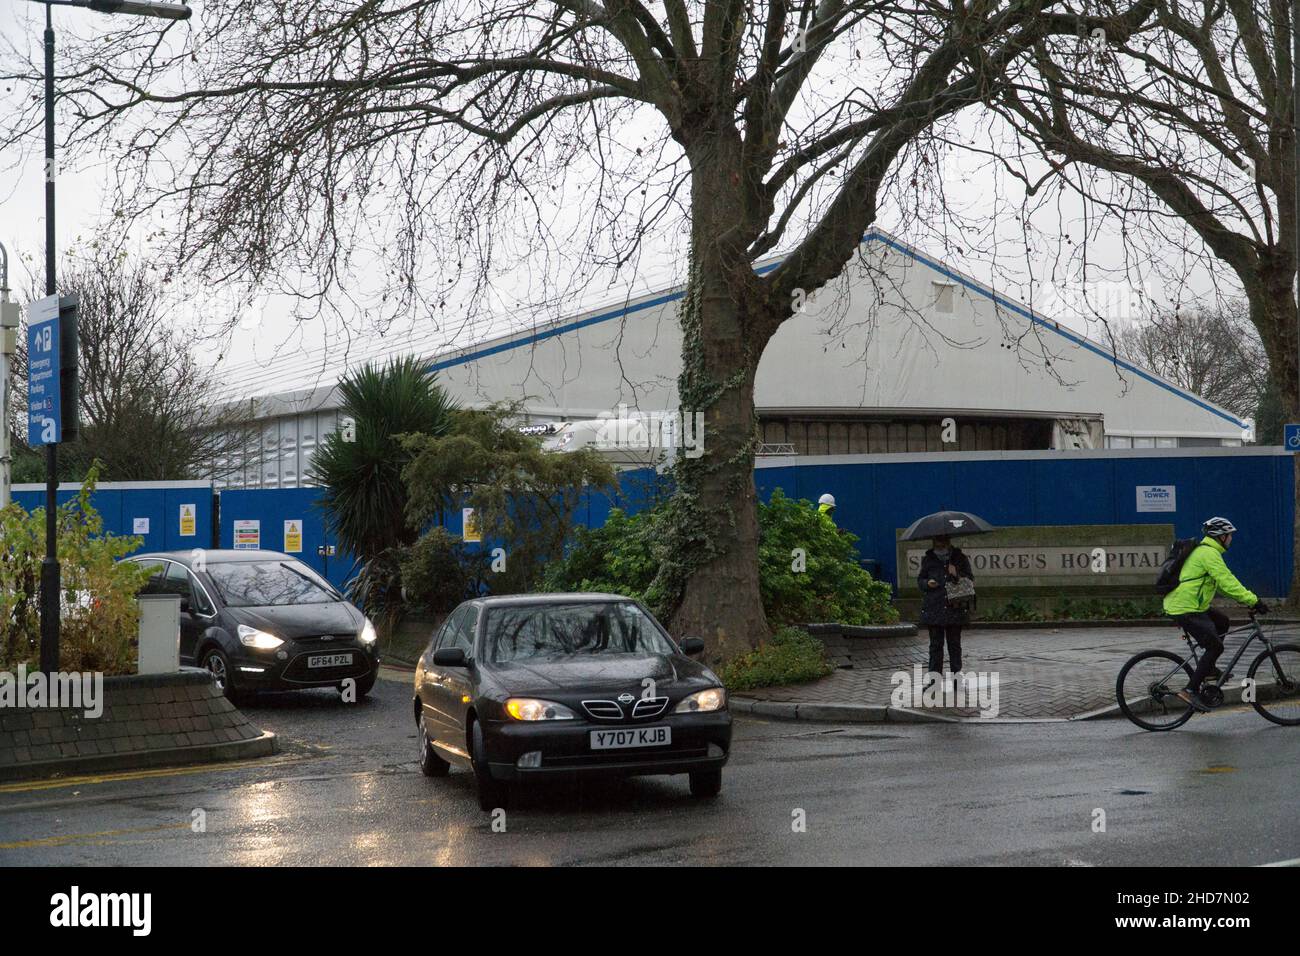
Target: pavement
column 346, row 790
column 1042, row 674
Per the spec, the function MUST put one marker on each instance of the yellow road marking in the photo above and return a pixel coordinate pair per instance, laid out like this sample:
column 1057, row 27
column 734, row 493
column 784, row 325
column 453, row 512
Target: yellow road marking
column 84, row 837
column 1219, row 768
column 28, row 786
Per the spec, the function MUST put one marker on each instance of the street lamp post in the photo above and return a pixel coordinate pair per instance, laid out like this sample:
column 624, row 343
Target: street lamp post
column 50, row 572
column 8, row 333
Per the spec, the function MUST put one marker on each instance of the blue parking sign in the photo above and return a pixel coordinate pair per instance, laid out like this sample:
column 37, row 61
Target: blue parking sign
column 44, row 418
column 1291, row 437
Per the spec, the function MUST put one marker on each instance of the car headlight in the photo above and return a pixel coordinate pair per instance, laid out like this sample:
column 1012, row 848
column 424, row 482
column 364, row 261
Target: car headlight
column 368, row 635
column 527, row 708
column 252, row 637
column 715, row 698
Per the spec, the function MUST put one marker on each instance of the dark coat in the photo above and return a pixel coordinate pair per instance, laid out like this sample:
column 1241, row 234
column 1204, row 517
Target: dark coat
column 934, row 601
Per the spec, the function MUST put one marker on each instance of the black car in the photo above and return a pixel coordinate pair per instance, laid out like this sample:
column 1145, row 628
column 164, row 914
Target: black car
column 261, row 620
column 554, row 686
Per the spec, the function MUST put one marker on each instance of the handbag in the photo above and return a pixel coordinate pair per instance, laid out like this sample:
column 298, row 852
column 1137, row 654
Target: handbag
column 960, row 593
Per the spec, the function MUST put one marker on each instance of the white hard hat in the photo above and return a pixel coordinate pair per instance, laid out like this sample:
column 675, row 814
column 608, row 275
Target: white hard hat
column 827, row 500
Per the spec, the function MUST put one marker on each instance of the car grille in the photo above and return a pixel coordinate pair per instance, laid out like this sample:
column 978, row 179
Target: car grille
column 648, row 756
column 649, row 707
column 643, row 708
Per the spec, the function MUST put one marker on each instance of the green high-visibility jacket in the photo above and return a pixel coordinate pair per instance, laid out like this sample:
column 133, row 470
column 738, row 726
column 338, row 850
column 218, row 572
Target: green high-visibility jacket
column 1204, row 574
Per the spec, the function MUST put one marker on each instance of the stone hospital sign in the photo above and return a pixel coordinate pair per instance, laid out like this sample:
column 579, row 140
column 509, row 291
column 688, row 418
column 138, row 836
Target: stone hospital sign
column 1022, row 561
column 1056, row 556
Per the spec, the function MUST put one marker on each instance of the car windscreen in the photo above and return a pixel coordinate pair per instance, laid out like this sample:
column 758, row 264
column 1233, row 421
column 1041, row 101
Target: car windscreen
column 570, row 630
column 269, row 583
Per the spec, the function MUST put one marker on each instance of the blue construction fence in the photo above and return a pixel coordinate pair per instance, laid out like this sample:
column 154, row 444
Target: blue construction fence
column 876, row 495
column 291, row 519
column 168, row 515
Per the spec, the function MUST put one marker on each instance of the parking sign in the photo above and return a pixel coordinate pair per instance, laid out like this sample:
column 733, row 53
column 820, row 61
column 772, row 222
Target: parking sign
column 1291, row 437
column 44, row 420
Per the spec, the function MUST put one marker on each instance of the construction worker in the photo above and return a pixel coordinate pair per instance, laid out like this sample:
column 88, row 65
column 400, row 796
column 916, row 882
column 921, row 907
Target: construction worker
column 826, row 507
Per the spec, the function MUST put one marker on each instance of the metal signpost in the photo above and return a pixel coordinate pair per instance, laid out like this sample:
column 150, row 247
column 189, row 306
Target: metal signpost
column 8, row 345
column 59, row 339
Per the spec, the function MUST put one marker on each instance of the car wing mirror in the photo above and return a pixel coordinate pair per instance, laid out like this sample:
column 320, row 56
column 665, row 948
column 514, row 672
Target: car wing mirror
column 449, row 657
column 692, row 645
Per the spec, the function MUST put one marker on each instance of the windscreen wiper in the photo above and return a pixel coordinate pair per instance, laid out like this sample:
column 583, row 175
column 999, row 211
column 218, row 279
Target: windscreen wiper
column 313, row 583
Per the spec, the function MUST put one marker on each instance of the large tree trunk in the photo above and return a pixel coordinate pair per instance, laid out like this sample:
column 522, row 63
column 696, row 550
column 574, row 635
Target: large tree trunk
column 1273, row 312
column 719, row 599
column 1291, row 402
column 708, row 585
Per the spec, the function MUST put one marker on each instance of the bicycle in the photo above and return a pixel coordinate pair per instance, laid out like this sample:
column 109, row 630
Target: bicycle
column 1148, row 684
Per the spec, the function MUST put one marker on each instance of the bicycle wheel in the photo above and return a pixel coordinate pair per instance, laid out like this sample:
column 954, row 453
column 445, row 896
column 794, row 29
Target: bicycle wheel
column 1147, row 690
column 1277, row 684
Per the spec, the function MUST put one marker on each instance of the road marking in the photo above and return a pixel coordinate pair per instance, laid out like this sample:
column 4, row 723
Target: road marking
column 1295, row 862
column 58, row 783
column 86, row 837
column 1219, row 768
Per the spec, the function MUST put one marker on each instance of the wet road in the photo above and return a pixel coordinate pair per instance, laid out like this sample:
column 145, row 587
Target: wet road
column 346, row 790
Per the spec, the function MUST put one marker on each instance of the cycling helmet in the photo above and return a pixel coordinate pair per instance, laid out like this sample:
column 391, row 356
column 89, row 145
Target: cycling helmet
column 1218, row 526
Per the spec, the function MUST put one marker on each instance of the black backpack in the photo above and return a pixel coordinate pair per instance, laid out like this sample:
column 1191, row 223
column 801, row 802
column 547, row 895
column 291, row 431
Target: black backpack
column 1168, row 579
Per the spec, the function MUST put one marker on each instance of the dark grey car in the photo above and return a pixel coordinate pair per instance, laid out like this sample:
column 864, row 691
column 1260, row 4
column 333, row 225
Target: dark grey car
column 549, row 686
column 262, row 620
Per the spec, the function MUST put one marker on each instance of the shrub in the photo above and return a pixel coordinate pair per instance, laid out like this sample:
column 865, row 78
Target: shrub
column 1107, row 609
column 100, row 618
column 618, row 557
column 828, row 584
column 831, row 586
column 438, row 571
column 792, row 656
column 1017, row 609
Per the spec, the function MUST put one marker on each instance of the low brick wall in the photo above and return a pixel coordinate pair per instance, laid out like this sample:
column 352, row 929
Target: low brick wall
column 147, row 721
column 890, row 645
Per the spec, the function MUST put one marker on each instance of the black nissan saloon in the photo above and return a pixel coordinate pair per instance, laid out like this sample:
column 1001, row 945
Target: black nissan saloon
column 262, row 620
column 553, row 686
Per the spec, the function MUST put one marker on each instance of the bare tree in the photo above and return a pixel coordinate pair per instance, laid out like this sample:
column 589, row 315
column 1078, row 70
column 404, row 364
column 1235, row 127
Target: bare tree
column 1212, row 352
column 1176, row 120
column 573, row 132
column 146, row 395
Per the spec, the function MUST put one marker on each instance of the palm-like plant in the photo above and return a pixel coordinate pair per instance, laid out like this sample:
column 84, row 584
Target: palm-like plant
column 360, row 467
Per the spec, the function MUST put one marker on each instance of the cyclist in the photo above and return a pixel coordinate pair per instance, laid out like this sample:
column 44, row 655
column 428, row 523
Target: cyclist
column 1202, row 576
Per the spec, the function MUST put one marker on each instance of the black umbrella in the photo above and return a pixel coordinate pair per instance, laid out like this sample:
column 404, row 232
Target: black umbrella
column 948, row 524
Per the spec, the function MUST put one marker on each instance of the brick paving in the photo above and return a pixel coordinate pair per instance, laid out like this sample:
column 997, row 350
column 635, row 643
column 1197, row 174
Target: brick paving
column 1043, row 673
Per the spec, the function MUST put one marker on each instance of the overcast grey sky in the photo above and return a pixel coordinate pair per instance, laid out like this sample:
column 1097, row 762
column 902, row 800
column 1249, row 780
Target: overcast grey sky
column 269, row 330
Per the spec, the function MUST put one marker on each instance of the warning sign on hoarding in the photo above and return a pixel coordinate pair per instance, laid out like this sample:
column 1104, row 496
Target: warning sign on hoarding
column 248, row 535
column 293, row 537
column 469, row 526
column 139, row 525
column 187, row 520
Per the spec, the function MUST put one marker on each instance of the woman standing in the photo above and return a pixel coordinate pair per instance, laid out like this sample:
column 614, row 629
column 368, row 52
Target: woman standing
column 943, row 564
